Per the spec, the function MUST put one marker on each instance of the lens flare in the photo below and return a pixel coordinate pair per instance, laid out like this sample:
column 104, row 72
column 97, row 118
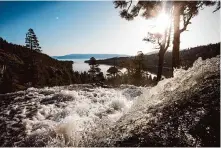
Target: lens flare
column 162, row 22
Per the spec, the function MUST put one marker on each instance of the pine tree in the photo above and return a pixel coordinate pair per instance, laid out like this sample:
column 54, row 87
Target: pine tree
column 138, row 72
column 163, row 42
column 183, row 11
column 31, row 41
column 113, row 71
column 95, row 71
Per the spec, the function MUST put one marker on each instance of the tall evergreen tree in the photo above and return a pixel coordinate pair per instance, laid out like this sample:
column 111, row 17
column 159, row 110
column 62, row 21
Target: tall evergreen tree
column 138, row 68
column 138, row 61
column 184, row 11
column 181, row 9
column 163, row 43
column 31, row 40
column 95, row 71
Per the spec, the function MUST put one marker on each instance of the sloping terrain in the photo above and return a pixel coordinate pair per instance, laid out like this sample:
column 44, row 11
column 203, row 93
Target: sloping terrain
column 180, row 111
column 187, row 58
column 27, row 68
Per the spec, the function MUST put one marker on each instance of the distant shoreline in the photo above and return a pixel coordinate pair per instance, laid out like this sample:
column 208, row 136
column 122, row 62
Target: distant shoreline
column 88, row 56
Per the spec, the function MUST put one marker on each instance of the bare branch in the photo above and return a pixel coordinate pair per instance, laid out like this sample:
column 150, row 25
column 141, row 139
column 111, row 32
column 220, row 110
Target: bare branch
column 217, row 7
column 186, row 22
column 129, row 5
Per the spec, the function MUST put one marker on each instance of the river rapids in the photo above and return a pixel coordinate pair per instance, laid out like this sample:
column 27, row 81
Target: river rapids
column 179, row 111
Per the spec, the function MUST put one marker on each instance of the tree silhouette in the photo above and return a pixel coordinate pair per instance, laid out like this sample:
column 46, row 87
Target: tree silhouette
column 163, row 43
column 31, row 41
column 95, row 71
column 180, row 9
column 113, row 71
column 139, row 67
column 184, row 11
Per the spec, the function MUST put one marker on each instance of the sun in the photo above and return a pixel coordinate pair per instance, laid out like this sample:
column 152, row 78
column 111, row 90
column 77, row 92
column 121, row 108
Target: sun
column 162, row 22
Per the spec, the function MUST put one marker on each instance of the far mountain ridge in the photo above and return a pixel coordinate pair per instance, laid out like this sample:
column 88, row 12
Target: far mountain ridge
column 88, row 56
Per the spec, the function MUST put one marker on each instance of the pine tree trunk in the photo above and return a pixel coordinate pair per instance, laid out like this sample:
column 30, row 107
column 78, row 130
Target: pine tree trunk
column 160, row 65
column 176, row 37
column 31, row 45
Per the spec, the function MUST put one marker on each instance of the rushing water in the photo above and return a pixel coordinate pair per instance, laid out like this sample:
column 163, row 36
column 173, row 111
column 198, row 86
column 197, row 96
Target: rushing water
column 81, row 115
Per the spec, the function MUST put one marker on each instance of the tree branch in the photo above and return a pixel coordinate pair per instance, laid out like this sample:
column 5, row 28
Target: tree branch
column 186, row 22
column 217, row 7
column 158, row 41
column 129, row 5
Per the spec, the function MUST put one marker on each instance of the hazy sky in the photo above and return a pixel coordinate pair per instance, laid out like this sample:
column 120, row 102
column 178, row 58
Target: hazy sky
column 92, row 27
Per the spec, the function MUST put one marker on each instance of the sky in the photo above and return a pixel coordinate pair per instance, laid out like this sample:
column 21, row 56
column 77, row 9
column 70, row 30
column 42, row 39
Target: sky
column 93, row 27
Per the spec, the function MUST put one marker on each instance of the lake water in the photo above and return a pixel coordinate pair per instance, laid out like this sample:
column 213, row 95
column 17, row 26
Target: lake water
column 80, row 66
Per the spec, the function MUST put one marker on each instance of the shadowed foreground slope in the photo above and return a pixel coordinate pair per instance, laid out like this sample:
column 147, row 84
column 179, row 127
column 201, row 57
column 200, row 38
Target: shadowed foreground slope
column 180, row 111
column 185, row 111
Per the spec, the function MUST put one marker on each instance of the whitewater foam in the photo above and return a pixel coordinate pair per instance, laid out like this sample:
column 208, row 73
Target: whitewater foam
column 148, row 107
column 65, row 114
column 82, row 115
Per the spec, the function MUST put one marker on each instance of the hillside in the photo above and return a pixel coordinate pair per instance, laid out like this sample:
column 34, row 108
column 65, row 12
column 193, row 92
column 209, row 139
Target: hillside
column 187, row 56
column 22, row 68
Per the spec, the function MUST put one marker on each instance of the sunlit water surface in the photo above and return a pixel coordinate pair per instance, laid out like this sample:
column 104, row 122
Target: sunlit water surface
column 78, row 115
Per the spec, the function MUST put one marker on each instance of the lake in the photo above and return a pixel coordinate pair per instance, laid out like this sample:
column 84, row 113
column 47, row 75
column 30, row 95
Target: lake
column 80, row 66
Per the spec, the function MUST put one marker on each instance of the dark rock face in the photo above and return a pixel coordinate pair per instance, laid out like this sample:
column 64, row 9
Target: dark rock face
column 27, row 68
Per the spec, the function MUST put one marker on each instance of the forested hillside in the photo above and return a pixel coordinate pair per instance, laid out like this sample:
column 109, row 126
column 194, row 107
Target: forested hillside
column 187, row 56
column 21, row 68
